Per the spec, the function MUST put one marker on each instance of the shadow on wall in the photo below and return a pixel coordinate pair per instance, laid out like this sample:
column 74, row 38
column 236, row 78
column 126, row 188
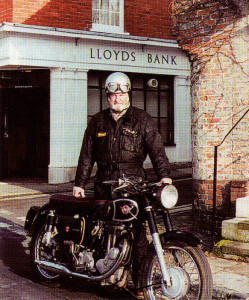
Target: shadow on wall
column 53, row 13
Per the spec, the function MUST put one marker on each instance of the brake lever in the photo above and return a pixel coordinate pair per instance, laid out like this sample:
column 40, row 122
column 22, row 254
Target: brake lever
column 121, row 186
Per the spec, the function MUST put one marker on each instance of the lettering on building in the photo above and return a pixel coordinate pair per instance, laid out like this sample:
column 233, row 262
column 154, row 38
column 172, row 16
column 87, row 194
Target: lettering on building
column 161, row 59
column 113, row 54
column 123, row 55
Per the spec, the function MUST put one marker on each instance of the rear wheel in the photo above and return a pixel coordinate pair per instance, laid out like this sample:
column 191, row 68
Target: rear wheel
column 189, row 271
column 41, row 252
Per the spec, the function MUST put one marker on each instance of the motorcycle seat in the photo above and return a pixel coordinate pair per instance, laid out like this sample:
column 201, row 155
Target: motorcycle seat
column 69, row 204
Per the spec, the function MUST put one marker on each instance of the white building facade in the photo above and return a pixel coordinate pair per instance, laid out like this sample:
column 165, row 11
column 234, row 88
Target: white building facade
column 74, row 64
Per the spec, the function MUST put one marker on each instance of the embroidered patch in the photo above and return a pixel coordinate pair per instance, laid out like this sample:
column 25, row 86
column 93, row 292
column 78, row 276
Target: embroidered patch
column 101, row 134
column 130, row 131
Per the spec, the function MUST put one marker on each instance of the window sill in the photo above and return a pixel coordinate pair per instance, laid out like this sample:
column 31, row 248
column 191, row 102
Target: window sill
column 108, row 29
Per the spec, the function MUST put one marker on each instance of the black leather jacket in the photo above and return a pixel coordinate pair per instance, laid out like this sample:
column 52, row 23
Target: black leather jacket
column 121, row 147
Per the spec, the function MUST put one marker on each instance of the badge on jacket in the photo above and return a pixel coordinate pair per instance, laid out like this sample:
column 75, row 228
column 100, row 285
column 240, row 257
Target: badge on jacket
column 101, row 134
column 127, row 130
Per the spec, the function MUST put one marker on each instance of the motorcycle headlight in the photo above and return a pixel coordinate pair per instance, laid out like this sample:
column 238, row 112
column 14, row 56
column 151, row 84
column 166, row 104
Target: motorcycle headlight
column 167, row 195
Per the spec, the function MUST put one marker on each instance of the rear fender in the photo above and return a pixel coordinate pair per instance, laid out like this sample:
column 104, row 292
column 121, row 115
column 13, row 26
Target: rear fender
column 182, row 236
column 36, row 216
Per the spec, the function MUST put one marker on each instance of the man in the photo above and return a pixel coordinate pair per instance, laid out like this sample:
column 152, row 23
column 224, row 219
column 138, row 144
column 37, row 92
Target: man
column 118, row 139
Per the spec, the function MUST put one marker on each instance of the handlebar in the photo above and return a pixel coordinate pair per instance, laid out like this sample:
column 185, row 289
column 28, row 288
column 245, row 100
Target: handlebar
column 138, row 184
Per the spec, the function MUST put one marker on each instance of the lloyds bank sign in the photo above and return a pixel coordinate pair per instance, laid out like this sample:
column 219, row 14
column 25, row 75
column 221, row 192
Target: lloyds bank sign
column 150, row 58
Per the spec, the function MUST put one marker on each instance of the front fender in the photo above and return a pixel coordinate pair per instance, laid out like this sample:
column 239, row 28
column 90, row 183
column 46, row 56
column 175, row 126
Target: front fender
column 181, row 236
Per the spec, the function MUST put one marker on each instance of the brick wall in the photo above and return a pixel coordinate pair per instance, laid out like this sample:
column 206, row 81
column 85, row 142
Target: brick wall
column 6, row 11
column 226, row 194
column 216, row 37
column 73, row 14
column 142, row 17
column 148, row 18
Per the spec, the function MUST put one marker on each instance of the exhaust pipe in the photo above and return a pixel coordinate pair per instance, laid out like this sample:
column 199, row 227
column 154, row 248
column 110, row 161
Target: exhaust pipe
column 50, row 266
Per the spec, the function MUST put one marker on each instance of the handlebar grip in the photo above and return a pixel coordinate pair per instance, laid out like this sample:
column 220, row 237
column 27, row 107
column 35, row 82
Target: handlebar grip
column 109, row 182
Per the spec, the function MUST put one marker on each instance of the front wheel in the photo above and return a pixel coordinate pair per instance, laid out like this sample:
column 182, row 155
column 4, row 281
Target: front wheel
column 189, row 270
column 40, row 251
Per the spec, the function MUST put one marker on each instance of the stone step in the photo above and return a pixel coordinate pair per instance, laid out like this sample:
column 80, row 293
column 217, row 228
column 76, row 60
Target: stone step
column 236, row 229
column 235, row 250
column 243, row 225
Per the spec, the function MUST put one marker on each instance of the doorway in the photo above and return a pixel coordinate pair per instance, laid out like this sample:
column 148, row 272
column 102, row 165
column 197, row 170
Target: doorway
column 25, row 123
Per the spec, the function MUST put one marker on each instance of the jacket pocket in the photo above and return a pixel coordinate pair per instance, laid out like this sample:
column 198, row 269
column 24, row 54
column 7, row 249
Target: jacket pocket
column 102, row 141
column 129, row 140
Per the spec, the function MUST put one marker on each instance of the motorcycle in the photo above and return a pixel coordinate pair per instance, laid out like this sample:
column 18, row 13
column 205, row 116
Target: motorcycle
column 93, row 239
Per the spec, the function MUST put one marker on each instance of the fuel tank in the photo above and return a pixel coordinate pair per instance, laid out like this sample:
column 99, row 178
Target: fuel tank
column 121, row 210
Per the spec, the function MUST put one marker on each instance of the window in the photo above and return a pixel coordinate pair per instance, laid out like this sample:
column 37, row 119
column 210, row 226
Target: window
column 108, row 15
column 158, row 101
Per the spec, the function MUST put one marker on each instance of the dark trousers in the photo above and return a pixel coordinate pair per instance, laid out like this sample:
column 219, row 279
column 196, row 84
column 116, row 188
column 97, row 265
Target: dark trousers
column 140, row 246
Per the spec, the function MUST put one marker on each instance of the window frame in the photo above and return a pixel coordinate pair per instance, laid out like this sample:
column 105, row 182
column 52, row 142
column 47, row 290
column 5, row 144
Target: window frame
column 111, row 28
column 170, row 104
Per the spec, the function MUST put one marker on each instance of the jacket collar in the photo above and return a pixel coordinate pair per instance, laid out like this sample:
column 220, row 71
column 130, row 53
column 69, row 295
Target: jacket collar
column 128, row 116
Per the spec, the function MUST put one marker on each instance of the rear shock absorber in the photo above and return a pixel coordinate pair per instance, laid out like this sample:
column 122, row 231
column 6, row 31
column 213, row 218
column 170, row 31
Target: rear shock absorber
column 49, row 227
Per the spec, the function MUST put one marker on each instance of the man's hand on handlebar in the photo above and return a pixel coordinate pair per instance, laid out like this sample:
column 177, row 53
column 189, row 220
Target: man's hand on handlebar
column 78, row 192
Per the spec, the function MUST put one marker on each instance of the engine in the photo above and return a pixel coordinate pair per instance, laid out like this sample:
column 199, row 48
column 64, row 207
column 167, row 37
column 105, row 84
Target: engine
column 105, row 264
column 96, row 249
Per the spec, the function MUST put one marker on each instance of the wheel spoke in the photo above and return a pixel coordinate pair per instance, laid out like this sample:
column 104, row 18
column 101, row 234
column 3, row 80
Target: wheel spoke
column 43, row 252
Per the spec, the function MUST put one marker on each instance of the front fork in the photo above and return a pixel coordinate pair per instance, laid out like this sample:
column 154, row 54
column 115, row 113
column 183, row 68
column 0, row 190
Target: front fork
column 157, row 243
column 49, row 227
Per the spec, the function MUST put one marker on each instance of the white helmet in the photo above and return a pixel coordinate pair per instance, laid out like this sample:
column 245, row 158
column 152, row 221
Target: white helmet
column 117, row 83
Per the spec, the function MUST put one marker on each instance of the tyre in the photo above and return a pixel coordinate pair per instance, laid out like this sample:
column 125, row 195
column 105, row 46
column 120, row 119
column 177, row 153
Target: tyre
column 39, row 251
column 189, row 271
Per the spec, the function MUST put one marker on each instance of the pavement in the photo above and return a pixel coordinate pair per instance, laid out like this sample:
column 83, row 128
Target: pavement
column 230, row 277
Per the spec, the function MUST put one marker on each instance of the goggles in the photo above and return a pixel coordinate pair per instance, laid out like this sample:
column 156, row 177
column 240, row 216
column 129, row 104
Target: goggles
column 117, row 88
